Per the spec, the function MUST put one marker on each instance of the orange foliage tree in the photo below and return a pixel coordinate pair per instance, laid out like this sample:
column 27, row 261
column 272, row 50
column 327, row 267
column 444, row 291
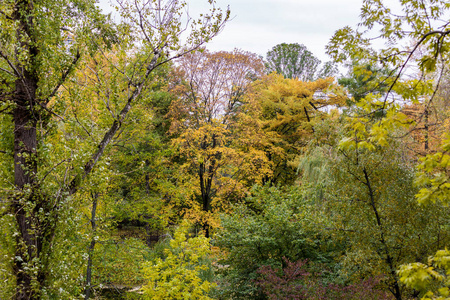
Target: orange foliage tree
column 205, row 119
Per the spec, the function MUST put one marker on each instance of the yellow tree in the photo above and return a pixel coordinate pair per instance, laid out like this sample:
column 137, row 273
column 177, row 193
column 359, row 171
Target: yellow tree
column 287, row 111
column 90, row 112
column 204, row 118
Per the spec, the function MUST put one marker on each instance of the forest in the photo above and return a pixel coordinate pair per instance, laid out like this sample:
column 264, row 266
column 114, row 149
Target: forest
column 137, row 164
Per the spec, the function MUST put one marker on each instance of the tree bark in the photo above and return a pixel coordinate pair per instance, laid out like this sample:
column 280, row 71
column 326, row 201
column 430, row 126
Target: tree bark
column 27, row 202
column 88, row 288
column 29, row 241
column 426, row 137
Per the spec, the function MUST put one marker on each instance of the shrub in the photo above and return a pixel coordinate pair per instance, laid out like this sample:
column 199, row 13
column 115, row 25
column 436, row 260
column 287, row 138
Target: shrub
column 178, row 275
column 294, row 282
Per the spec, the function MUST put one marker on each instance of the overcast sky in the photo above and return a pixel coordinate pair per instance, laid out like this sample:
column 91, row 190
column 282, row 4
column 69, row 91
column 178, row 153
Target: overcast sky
column 258, row 25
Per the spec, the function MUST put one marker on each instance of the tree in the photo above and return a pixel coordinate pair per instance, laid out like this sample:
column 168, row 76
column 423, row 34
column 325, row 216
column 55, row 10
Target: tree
column 296, row 61
column 430, row 279
column 42, row 44
column 364, row 79
column 369, row 194
column 272, row 225
column 206, row 118
column 287, row 111
column 416, row 35
column 422, row 48
column 143, row 164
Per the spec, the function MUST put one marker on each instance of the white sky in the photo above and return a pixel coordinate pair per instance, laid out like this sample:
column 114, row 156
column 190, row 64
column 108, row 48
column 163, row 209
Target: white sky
column 258, row 25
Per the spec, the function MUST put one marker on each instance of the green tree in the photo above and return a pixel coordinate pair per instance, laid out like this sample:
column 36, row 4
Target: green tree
column 272, row 225
column 423, row 47
column 364, row 79
column 42, row 44
column 416, row 34
column 296, row 61
column 143, row 164
column 368, row 193
column 431, row 278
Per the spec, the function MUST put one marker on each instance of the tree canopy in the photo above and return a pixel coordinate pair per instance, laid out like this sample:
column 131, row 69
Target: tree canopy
column 296, row 61
column 136, row 163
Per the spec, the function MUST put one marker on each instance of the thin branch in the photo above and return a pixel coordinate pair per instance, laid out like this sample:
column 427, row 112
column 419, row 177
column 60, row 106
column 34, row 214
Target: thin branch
column 424, row 37
column 107, row 91
column 426, row 13
column 5, row 57
column 64, row 77
column 84, row 128
column 18, row 74
column 50, row 111
column 7, row 72
column 427, row 105
column 5, row 109
column 51, row 170
column 109, row 135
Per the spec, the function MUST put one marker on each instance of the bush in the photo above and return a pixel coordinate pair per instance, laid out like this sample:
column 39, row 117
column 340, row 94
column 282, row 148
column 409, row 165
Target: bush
column 179, row 274
column 272, row 224
column 294, row 282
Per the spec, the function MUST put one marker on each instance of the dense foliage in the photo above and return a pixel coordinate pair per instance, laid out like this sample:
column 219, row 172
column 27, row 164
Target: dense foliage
column 135, row 163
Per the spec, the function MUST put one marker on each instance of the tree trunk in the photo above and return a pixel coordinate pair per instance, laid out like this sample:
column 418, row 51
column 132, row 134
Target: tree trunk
column 27, row 201
column 205, row 196
column 426, row 137
column 88, row 288
column 395, row 288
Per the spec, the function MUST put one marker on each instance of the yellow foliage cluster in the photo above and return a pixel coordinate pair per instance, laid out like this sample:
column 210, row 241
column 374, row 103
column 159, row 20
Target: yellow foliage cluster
column 433, row 280
column 178, row 275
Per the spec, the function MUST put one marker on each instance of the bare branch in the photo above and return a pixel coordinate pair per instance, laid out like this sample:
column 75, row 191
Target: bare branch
column 53, row 168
